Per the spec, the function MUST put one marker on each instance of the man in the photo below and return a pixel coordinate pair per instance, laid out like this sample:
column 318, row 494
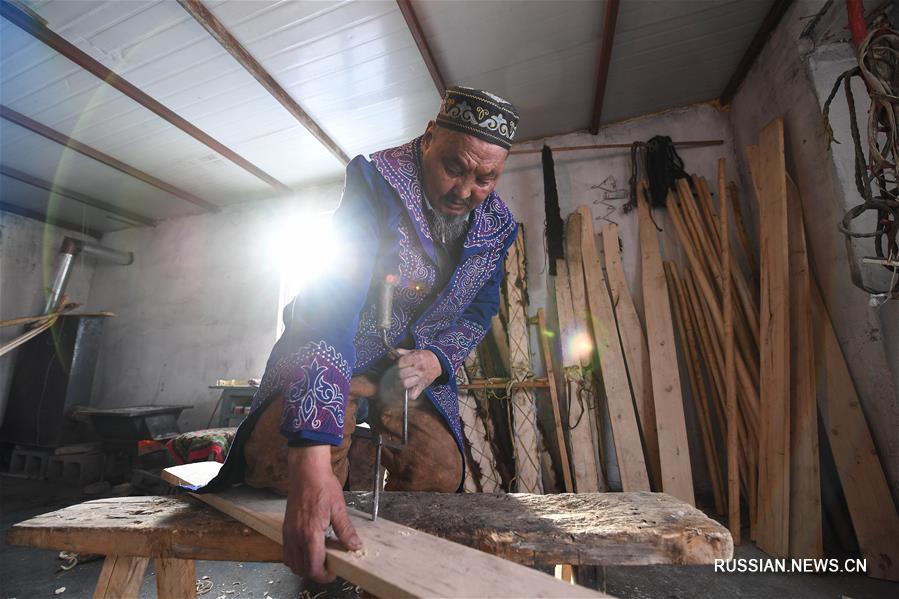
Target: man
column 424, row 218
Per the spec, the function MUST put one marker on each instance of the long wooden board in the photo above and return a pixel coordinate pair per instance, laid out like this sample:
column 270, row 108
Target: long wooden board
column 542, row 334
column 674, row 453
column 730, row 366
column 806, row 523
column 773, row 532
column 636, row 353
column 581, row 343
column 525, row 437
column 587, row 475
column 396, row 561
column 622, row 417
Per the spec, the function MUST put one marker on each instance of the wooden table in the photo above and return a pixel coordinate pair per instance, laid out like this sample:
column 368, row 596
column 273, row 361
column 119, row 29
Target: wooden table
column 584, row 529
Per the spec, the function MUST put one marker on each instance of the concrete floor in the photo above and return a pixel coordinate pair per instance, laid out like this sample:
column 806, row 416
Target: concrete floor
column 27, row 573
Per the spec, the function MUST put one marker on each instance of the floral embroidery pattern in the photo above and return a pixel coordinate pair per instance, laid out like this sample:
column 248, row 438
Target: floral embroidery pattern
column 317, row 377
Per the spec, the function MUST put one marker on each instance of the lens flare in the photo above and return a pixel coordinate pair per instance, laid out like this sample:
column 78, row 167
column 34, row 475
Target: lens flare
column 581, row 346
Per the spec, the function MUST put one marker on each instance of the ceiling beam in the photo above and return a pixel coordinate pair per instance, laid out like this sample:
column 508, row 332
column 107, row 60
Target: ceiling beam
column 77, row 196
column 423, row 47
column 610, row 19
column 52, row 134
column 38, row 30
column 769, row 24
column 217, row 30
column 46, row 218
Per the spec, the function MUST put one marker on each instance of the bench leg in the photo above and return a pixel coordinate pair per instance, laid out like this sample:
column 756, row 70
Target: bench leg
column 121, row 577
column 175, row 578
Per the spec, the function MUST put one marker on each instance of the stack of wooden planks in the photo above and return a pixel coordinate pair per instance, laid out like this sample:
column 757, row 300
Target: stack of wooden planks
column 760, row 372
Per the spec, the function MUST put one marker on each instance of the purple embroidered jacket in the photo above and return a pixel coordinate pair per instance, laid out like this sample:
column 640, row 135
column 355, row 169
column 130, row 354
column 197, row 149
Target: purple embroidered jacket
column 331, row 329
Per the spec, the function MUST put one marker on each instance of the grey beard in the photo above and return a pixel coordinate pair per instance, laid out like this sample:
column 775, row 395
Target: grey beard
column 446, row 227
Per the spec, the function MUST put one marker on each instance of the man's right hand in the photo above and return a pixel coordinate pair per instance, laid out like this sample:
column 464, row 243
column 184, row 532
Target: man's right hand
column 314, row 501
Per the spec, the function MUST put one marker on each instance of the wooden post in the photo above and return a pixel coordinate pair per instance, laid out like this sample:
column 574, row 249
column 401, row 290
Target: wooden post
column 175, row 578
column 121, row 576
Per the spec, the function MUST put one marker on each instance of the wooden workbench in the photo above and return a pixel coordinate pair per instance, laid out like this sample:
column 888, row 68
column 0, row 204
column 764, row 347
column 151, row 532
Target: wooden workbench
column 585, row 529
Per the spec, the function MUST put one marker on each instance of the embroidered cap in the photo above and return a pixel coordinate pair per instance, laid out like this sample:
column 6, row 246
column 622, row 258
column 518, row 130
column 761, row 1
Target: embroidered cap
column 480, row 114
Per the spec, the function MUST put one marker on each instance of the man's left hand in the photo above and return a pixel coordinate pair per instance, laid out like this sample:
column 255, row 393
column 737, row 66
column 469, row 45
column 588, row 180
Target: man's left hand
column 418, row 369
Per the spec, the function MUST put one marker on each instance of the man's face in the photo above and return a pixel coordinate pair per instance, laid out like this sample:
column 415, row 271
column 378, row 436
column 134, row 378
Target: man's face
column 460, row 171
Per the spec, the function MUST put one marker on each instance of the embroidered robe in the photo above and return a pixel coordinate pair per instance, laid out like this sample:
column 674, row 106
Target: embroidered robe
column 331, row 331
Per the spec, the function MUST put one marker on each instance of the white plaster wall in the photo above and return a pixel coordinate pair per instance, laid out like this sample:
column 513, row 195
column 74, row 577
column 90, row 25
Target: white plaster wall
column 200, row 303
column 28, row 251
column 783, row 81
column 580, row 177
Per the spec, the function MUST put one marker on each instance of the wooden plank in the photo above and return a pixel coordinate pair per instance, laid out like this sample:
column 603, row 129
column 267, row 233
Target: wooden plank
column 730, row 366
column 774, row 442
column 689, row 345
column 53, row 40
column 743, row 232
column 766, row 28
column 868, row 497
column 806, row 521
column 606, row 42
column 582, row 344
column 623, row 419
column 73, row 144
column 175, row 578
column 131, row 218
column 422, row 42
column 587, row 474
column 121, row 576
column 674, row 452
column 542, row 333
column 220, row 33
column 525, row 436
column 396, row 561
column 636, row 353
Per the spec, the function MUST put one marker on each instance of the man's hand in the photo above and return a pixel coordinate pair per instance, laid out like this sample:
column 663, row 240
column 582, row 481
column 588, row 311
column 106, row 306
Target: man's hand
column 314, row 501
column 418, row 369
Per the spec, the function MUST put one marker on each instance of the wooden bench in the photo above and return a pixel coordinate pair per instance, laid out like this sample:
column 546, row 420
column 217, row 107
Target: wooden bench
column 585, row 529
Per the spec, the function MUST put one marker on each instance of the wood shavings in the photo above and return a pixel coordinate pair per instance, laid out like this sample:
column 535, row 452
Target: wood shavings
column 204, row 585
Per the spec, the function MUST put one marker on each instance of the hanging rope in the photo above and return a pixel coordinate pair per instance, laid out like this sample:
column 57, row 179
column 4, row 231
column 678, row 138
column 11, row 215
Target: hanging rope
column 876, row 174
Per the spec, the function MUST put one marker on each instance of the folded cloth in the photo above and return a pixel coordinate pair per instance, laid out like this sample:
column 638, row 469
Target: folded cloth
column 201, row 446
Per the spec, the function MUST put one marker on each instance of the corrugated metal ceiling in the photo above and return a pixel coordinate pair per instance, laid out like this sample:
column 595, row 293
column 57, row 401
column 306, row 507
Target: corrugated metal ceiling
column 353, row 66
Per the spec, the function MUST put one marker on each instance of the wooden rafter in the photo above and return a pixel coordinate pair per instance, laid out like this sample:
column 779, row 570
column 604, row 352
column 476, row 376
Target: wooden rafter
column 610, row 19
column 82, row 148
column 40, row 31
column 46, row 218
column 423, row 47
column 217, row 30
column 127, row 215
column 769, row 24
